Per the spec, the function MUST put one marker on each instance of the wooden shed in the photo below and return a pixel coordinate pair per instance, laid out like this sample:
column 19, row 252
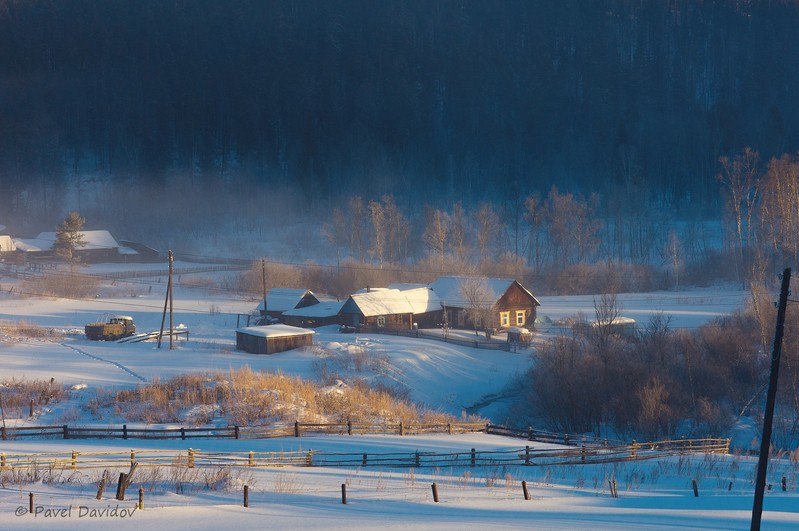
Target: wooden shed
column 272, row 338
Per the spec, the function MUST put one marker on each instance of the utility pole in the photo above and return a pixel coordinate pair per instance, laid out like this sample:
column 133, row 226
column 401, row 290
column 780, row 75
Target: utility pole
column 263, row 281
column 169, row 287
column 771, row 396
column 167, row 301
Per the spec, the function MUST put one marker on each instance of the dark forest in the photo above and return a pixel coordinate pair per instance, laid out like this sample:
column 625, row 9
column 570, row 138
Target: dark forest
column 295, row 106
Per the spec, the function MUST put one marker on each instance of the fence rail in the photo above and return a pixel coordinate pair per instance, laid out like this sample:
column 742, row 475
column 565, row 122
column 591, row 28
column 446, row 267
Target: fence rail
column 527, row 456
column 235, row 432
column 492, row 345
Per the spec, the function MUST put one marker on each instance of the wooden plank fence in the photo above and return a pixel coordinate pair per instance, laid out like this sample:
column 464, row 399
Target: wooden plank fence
column 492, row 345
column 527, row 456
column 235, row 432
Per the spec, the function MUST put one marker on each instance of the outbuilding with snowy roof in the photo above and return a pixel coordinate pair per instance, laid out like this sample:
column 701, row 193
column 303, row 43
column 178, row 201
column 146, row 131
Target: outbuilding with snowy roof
column 272, row 338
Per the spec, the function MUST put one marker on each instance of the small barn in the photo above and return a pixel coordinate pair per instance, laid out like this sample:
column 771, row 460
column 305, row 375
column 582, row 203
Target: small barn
column 273, row 338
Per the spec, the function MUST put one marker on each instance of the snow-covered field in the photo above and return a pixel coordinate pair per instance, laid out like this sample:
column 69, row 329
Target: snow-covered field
column 652, row 494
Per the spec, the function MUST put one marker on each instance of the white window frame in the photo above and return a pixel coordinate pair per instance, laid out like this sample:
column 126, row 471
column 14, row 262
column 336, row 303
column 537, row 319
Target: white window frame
column 504, row 319
column 381, row 321
column 520, row 315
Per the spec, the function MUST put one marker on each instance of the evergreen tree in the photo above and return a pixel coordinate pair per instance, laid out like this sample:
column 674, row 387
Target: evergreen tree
column 68, row 237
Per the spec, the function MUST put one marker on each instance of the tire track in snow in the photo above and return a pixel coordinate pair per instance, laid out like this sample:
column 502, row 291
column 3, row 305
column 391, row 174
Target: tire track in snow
column 119, row 365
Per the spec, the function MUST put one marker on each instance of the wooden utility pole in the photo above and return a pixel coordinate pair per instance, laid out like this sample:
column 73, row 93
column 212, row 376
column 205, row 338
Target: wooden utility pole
column 263, row 281
column 771, row 396
column 169, row 287
column 167, row 301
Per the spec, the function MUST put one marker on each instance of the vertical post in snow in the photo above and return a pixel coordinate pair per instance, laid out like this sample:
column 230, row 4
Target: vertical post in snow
column 169, row 288
column 768, row 416
column 263, row 281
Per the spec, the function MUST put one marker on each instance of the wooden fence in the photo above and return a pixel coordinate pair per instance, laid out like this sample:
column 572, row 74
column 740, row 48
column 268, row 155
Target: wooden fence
column 527, row 456
column 236, row 432
column 492, row 345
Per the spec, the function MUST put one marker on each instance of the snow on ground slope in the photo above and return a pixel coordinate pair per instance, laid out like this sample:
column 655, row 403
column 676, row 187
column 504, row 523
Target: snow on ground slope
column 652, row 495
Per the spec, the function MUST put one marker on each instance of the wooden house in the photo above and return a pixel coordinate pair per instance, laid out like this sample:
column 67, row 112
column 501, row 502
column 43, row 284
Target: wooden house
column 391, row 308
column 100, row 247
column 273, row 338
column 280, row 300
column 494, row 303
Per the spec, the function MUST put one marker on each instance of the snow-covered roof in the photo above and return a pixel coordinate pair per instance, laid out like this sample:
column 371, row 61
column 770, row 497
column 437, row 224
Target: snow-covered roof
column 323, row 309
column 283, row 299
column 404, row 286
column 617, row 321
column 387, row 301
column 276, row 330
column 422, row 300
column 450, row 292
column 6, row 243
column 95, row 239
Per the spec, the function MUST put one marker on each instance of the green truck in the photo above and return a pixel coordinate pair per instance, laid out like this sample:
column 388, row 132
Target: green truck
column 111, row 328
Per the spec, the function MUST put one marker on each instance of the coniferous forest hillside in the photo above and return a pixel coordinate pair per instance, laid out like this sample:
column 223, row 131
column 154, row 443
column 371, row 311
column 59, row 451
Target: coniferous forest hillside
column 165, row 114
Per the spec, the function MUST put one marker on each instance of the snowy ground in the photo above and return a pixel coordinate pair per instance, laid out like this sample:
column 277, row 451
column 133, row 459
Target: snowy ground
column 652, row 495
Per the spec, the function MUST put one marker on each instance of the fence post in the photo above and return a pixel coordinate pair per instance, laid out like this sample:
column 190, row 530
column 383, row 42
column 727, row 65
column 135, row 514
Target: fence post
column 435, row 493
column 527, row 456
column 309, row 458
column 727, row 445
column 343, row 494
column 31, row 412
column 633, row 450
column 30, row 503
column 525, row 491
column 449, row 428
column 183, row 433
column 191, row 458
column 66, row 431
column 474, row 457
column 236, row 432
column 250, row 460
column 246, row 495
column 529, row 433
column 784, row 484
column 74, row 460
column 349, row 426
column 132, row 457
column 417, row 460
column 582, row 453
column 141, row 497
column 696, row 488
column 296, row 428
column 401, row 429
column 364, row 460
column 125, row 431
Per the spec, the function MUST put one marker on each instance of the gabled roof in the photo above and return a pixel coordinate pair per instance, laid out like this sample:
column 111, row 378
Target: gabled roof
column 323, row 309
column 393, row 301
column 95, row 239
column 283, row 299
column 450, row 289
